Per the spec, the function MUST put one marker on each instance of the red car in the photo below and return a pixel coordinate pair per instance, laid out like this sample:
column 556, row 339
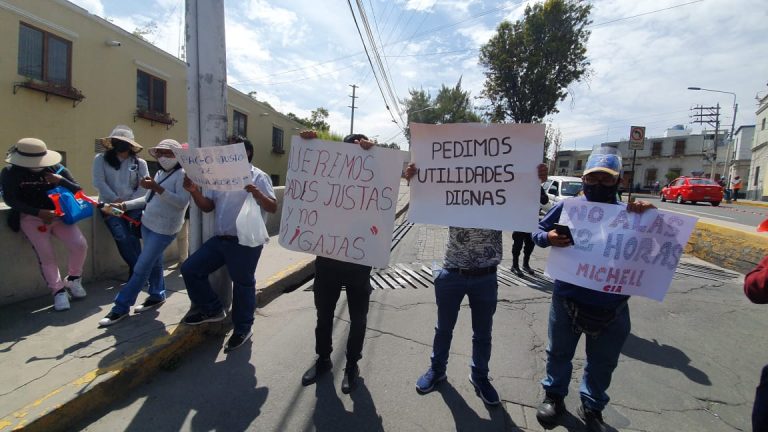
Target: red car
column 693, row 189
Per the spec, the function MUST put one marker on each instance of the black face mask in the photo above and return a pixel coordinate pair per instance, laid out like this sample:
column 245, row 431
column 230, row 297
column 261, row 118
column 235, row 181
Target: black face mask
column 601, row 193
column 120, row 146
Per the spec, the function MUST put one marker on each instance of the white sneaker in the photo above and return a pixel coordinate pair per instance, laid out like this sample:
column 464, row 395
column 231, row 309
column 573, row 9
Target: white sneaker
column 76, row 288
column 61, row 301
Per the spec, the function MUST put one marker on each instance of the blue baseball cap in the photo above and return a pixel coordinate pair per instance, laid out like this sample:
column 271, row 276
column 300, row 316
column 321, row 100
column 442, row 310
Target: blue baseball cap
column 604, row 159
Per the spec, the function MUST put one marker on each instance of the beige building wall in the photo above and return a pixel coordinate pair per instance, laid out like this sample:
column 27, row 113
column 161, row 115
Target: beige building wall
column 758, row 172
column 106, row 75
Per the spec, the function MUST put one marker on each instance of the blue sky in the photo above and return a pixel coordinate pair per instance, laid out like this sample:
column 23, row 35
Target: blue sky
column 301, row 54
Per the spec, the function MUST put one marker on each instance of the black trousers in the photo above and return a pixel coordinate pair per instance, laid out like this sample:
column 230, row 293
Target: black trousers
column 522, row 241
column 330, row 276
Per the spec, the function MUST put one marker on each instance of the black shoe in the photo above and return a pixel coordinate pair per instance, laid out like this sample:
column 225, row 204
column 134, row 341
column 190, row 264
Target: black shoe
column 592, row 419
column 236, row 341
column 516, row 270
column 321, row 366
column 351, row 373
column 111, row 318
column 148, row 304
column 528, row 269
column 550, row 410
column 198, row 318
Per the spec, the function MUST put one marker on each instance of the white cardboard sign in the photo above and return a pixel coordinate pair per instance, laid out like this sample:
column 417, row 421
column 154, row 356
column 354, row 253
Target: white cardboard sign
column 620, row 252
column 475, row 175
column 222, row 168
column 340, row 201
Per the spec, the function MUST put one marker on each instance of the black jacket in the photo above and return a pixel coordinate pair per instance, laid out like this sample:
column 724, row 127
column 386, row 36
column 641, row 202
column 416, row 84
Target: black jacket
column 27, row 192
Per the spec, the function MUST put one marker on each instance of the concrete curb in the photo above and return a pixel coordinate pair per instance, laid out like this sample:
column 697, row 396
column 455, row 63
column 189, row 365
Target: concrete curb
column 66, row 406
column 750, row 203
column 731, row 248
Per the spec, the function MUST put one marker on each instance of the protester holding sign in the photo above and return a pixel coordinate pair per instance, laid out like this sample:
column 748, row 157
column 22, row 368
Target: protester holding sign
column 33, row 172
column 330, row 275
column 116, row 176
column 522, row 240
column 469, row 269
column 602, row 316
column 164, row 204
column 223, row 249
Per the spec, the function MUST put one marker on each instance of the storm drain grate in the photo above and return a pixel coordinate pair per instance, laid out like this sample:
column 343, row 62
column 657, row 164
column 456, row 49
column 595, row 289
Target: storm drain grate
column 415, row 276
column 399, row 233
column 703, row 272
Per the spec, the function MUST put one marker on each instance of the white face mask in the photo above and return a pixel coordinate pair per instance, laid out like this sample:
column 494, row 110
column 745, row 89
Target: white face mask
column 166, row 163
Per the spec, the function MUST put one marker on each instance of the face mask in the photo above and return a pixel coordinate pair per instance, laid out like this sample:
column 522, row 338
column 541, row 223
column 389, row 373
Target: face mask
column 166, row 163
column 601, row 193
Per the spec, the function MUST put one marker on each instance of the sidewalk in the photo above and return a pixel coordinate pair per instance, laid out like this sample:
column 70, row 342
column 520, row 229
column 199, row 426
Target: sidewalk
column 63, row 366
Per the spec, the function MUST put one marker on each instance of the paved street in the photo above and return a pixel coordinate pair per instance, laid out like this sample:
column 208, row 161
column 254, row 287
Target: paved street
column 690, row 364
column 744, row 215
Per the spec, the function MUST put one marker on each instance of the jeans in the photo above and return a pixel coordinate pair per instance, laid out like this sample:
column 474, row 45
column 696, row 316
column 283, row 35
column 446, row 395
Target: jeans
column 450, row 289
column 760, row 408
column 241, row 264
column 602, row 355
column 149, row 267
column 128, row 243
column 330, row 275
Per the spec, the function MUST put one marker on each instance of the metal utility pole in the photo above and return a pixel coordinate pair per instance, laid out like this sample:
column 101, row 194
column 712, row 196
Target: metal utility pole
column 352, row 123
column 206, row 107
column 712, row 118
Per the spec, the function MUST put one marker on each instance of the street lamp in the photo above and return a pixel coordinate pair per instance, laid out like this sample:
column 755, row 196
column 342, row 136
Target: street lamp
column 733, row 125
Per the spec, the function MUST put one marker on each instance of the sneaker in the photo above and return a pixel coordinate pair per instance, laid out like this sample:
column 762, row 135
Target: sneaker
column 485, row 389
column 198, row 318
column 75, row 287
column 111, row 318
column 351, row 373
column 61, row 300
column 426, row 383
column 592, row 419
column 236, row 341
column 148, row 304
column 528, row 269
column 550, row 410
column 321, row 366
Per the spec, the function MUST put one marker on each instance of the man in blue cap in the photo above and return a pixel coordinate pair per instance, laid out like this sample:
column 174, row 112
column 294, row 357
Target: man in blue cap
column 603, row 317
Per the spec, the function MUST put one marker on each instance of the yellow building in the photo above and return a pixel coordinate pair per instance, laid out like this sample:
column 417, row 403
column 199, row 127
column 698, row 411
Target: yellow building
column 71, row 77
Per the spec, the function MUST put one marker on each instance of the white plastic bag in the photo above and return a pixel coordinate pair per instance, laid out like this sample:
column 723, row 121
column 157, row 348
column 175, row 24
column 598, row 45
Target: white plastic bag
column 251, row 230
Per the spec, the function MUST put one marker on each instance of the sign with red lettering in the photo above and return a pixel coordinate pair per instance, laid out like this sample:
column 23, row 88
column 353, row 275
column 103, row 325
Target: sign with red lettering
column 620, row 252
column 340, row 201
column 475, row 175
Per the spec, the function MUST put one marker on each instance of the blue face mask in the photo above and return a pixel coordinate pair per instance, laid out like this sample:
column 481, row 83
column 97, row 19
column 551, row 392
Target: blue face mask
column 601, row 193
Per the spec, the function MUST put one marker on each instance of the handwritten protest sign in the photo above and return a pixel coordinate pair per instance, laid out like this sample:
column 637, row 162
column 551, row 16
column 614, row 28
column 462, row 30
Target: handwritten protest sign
column 340, row 201
column 223, row 168
column 620, row 252
column 476, row 175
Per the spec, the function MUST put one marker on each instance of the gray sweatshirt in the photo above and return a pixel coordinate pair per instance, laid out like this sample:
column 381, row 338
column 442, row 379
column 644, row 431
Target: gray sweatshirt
column 164, row 214
column 119, row 185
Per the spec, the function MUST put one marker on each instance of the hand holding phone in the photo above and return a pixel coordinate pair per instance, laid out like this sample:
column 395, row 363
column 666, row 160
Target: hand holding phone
column 564, row 230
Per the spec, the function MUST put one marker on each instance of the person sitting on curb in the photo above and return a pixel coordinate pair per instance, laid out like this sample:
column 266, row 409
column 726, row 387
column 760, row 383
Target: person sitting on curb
column 576, row 309
column 756, row 290
column 164, row 204
column 330, row 275
column 223, row 249
column 34, row 171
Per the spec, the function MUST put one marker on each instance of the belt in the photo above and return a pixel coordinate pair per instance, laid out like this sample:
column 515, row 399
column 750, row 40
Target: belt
column 472, row 271
column 227, row 237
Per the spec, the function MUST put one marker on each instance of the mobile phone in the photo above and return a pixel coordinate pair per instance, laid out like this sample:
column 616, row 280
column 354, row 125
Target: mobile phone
column 564, row 230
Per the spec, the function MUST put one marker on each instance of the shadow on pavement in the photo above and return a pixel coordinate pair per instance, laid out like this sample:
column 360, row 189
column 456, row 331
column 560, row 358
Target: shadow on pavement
column 466, row 419
column 652, row 352
column 330, row 414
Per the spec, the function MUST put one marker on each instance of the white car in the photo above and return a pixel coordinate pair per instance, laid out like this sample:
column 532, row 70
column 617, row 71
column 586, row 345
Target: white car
column 559, row 188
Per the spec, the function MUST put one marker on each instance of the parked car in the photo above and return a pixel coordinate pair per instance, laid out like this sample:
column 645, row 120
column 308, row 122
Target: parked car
column 559, row 188
column 693, row 189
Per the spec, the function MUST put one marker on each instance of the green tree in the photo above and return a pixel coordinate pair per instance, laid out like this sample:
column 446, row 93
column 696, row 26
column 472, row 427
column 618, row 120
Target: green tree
column 451, row 105
column 529, row 64
column 552, row 142
column 317, row 120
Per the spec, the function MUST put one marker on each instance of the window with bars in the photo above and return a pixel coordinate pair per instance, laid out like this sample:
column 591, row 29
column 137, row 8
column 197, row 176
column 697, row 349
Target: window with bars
column 579, row 165
column 44, row 56
column 150, row 93
column 563, row 163
column 239, row 123
column 277, row 140
column 650, row 176
column 656, row 148
column 679, row 148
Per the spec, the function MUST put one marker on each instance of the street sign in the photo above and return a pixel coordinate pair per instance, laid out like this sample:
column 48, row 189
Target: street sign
column 636, row 137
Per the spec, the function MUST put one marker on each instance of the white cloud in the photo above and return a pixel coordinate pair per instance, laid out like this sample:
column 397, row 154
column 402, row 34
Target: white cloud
column 93, row 6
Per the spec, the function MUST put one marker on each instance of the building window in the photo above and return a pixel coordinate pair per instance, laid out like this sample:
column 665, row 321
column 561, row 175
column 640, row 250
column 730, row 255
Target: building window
column 277, row 140
column 239, row 123
column 563, row 163
column 675, row 172
column 579, row 163
column 679, row 148
column 757, row 171
column 275, row 179
column 656, row 148
column 44, row 56
column 150, row 93
column 650, row 176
